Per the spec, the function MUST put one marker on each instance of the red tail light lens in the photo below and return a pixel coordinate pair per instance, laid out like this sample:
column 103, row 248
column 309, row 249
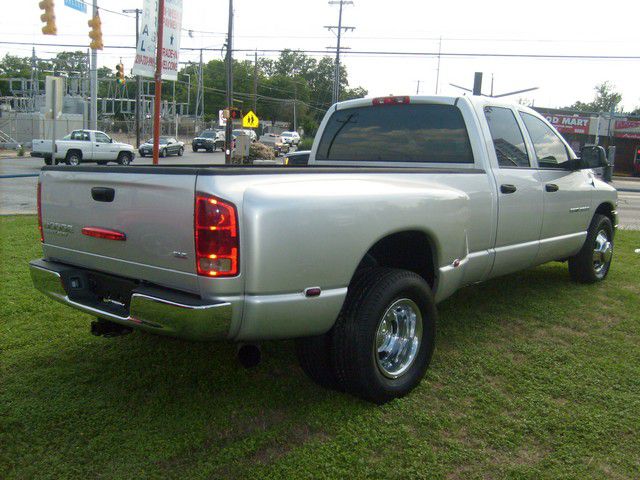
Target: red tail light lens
column 105, row 233
column 216, row 232
column 391, row 101
column 40, row 212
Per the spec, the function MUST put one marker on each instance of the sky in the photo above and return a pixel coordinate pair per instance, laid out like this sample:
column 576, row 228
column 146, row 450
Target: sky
column 466, row 26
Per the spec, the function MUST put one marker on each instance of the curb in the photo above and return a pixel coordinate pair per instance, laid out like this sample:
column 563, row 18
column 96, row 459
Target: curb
column 20, row 175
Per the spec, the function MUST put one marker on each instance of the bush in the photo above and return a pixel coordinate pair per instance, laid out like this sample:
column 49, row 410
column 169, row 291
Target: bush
column 305, row 144
column 20, row 152
column 260, row 151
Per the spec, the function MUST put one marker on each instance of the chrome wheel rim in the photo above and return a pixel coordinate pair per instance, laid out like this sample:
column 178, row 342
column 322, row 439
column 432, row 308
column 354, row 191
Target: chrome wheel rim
column 602, row 252
column 74, row 160
column 398, row 337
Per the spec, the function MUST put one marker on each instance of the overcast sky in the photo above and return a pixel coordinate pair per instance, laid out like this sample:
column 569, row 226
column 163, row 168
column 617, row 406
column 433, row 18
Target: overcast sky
column 469, row 26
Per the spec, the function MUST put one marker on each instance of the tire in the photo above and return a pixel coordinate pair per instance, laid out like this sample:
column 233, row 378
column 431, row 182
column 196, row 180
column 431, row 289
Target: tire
column 314, row 357
column 124, row 158
column 366, row 325
column 48, row 161
column 163, row 152
column 195, row 149
column 592, row 263
column 73, row 158
column 142, row 154
column 181, row 151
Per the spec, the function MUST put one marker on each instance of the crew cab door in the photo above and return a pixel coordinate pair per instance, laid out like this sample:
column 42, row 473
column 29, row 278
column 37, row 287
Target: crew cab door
column 519, row 192
column 567, row 194
column 102, row 147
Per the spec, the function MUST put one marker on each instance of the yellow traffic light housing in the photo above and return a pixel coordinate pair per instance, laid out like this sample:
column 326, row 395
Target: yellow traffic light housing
column 120, row 74
column 48, row 17
column 96, row 33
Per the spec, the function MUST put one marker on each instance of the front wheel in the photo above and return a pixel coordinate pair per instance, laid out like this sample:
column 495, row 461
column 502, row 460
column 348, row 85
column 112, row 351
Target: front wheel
column 73, row 158
column 48, row 161
column 591, row 264
column 195, row 149
column 181, row 151
column 382, row 342
column 163, row 152
column 124, row 158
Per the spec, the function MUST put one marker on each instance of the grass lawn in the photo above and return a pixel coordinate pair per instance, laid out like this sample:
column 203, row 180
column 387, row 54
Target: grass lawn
column 533, row 377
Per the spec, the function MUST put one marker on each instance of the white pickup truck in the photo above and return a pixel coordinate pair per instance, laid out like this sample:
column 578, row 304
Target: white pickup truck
column 81, row 146
column 404, row 201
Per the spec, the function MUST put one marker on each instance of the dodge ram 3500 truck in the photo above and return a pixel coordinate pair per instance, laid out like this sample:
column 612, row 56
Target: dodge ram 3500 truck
column 404, row 201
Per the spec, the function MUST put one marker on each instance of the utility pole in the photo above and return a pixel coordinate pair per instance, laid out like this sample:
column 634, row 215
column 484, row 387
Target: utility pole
column 339, row 28
column 199, row 94
column 295, row 101
column 229, row 128
column 93, row 81
column 137, row 11
column 158, row 88
column 255, row 82
column 418, row 88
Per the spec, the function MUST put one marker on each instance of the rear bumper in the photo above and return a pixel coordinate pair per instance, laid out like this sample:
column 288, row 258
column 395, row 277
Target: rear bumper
column 153, row 309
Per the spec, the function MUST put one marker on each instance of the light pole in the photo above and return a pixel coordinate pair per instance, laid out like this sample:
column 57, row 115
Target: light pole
column 137, row 11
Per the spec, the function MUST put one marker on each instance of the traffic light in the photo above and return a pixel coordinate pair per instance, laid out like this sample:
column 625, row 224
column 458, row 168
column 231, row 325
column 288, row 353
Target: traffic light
column 120, row 74
column 48, row 17
column 235, row 113
column 96, row 33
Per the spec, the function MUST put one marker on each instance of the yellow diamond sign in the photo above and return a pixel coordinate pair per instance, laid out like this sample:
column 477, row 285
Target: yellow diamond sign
column 250, row 120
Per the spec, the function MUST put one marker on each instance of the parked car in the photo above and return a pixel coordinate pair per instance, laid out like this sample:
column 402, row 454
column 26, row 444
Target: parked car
column 168, row 146
column 275, row 141
column 209, row 140
column 82, row 146
column 350, row 254
column 292, row 138
column 298, row 158
column 237, row 132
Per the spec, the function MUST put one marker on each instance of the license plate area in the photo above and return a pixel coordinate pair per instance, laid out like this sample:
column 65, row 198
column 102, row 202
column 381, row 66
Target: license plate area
column 98, row 290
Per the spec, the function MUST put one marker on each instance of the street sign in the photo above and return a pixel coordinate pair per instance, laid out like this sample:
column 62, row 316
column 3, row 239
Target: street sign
column 250, row 120
column 76, row 5
column 145, row 63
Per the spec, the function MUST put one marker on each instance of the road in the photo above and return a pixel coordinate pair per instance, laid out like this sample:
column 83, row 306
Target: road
column 18, row 194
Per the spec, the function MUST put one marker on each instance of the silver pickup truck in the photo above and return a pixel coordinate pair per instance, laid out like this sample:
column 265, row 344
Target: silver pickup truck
column 404, row 201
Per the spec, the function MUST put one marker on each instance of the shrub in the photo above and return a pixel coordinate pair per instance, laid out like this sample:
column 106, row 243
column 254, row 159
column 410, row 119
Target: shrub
column 260, row 151
column 20, row 152
column 305, row 144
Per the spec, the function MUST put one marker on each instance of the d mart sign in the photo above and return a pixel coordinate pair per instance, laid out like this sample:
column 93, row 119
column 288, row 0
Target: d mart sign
column 570, row 123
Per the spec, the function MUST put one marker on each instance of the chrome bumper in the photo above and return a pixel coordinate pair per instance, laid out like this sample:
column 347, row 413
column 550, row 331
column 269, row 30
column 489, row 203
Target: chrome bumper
column 152, row 309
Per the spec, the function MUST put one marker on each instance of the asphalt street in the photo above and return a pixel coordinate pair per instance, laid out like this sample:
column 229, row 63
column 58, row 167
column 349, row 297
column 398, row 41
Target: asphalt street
column 18, row 192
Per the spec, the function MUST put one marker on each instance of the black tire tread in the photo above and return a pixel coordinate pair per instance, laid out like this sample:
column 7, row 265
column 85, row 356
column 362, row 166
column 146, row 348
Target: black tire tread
column 581, row 265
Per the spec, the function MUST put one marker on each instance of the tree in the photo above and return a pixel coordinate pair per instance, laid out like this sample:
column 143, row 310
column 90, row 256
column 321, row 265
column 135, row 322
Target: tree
column 606, row 98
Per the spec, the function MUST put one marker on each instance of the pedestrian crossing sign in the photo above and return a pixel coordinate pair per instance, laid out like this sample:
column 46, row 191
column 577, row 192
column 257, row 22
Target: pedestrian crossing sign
column 250, row 120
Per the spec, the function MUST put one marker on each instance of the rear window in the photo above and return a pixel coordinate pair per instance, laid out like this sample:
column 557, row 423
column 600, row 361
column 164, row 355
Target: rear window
column 397, row 133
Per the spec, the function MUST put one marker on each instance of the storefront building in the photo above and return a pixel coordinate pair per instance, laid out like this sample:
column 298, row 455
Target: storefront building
column 619, row 130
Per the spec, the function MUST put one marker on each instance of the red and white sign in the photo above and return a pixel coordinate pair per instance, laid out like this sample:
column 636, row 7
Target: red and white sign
column 145, row 63
column 627, row 129
column 570, row 123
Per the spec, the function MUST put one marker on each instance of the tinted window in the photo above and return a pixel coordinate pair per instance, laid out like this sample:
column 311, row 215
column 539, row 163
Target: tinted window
column 507, row 137
column 397, row 133
column 208, row 134
column 102, row 138
column 550, row 150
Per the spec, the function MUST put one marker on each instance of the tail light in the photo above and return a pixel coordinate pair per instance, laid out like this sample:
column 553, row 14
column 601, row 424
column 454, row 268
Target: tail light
column 216, row 234
column 40, row 211
column 391, row 101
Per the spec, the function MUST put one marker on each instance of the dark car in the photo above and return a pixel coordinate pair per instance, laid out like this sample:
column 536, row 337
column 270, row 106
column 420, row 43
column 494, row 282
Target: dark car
column 168, row 146
column 208, row 140
column 297, row 159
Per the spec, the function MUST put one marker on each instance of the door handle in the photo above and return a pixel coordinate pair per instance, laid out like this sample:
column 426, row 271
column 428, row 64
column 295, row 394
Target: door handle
column 103, row 194
column 551, row 187
column 508, row 188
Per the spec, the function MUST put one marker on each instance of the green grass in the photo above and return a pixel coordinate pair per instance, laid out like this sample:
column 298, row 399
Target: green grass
column 533, row 377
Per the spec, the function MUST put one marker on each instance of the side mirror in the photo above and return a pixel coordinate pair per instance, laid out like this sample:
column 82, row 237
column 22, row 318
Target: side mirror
column 592, row 156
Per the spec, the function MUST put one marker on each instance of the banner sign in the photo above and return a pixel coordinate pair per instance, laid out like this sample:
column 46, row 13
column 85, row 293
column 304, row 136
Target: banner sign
column 145, row 63
column 570, row 123
column 76, row 5
column 627, row 129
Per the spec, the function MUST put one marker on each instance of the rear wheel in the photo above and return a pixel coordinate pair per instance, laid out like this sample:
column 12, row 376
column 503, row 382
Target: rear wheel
column 591, row 264
column 124, row 158
column 73, row 158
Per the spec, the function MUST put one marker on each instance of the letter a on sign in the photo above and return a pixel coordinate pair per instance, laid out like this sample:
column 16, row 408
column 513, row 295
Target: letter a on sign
column 250, row 120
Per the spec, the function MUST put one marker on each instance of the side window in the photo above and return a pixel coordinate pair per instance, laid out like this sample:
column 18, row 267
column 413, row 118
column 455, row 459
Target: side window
column 507, row 137
column 77, row 135
column 550, row 150
column 101, row 138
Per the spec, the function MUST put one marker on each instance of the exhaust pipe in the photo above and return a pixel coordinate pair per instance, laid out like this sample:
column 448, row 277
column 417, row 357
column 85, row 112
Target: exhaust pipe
column 249, row 355
column 108, row 329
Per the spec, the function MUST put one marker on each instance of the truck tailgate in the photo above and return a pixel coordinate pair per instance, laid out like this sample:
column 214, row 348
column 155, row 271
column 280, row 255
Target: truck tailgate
column 153, row 211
